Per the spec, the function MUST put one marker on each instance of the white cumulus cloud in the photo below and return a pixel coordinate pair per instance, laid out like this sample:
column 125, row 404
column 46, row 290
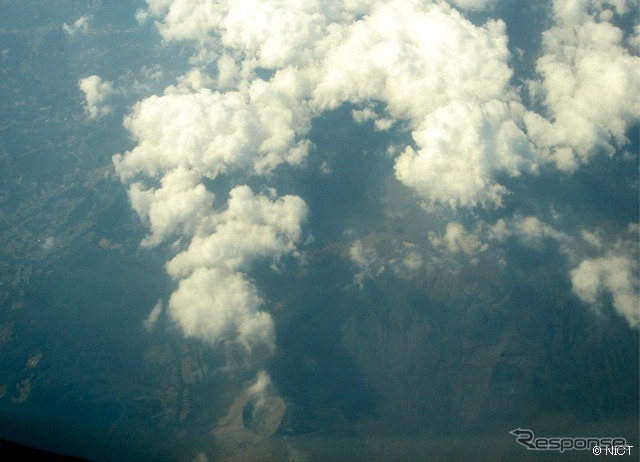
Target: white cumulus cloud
column 461, row 149
column 616, row 275
column 96, row 92
column 425, row 62
column 176, row 208
column 589, row 84
column 449, row 79
column 253, row 226
column 215, row 301
column 219, row 306
column 419, row 66
column 212, row 132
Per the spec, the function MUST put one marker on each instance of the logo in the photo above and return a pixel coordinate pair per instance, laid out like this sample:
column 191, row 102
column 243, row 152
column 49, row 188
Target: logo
column 527, row 438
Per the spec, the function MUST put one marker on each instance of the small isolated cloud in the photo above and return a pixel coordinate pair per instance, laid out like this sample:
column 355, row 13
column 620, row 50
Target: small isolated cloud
column 368, row 114
column 602, row 265
column 151, row 320
column 530, row 231
column 615, row 275
column 368, row 263
column 142, row 16
column 412, row 261
column 458, row 240
column 96, row 92
column 261, row 388
column 80, row 26
column 363, row 115
column 377, row 253
column 266, row 407
column 49, row 243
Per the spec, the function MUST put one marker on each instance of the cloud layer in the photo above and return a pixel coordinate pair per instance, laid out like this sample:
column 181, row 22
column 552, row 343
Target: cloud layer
column 425, row 64
column 264, row 69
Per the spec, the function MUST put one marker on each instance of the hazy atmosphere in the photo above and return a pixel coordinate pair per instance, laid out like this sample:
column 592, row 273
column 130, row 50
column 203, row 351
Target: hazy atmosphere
column 319, row 230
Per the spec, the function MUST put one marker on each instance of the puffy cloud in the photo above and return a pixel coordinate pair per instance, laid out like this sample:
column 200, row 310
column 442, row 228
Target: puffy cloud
column 363, row 115
column 228, row 72
column 191, row 133
column 593, row 238
column 219, row 306
column 177, row 207
column 589, row 84
column 620, row 7
column 457, row 240
column 616, row 275
column 253, row 226
column 96, row 91
column 376, row 253
column 461, row 149
column 81, row 25
column 367, row 262
column 531, row 231
column 214, row 301
column 212, row 132
column 607, row 270
column 415, row 58
column 267, row 408
column 185, row 19
column 269, row 33
column 367, row 114
column 420, row 65
column 194, row 80
column 634, row 40
column 601, row 264
column 424, row 62
column 412, row 261
column 260, row 388
column 276, row 33
column 450, row 80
